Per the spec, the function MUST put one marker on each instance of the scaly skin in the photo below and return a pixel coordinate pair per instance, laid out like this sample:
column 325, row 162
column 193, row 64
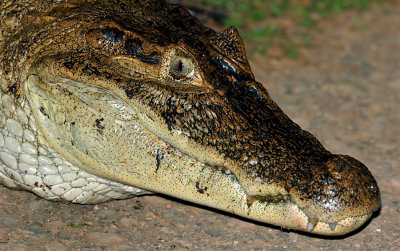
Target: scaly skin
column 104, row 100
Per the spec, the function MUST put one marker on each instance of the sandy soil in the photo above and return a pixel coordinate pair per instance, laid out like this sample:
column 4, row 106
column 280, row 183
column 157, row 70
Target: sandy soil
column 344, row 88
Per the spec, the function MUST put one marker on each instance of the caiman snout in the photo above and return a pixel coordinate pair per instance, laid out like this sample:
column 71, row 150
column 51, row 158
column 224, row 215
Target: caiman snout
column 342, row 192
column 322, row 192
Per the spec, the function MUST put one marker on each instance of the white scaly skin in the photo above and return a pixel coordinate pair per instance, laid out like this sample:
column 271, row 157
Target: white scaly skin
column 28, row 163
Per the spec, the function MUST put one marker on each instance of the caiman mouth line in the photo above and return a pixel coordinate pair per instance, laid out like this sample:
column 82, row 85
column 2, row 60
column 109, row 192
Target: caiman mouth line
column 282, row 199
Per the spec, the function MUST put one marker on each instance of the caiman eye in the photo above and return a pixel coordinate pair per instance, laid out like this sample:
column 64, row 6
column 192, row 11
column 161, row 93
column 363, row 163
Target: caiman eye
column 181, row 67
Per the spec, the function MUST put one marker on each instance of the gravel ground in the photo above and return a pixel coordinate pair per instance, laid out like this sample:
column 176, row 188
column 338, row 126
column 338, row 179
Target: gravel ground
column 344, row 88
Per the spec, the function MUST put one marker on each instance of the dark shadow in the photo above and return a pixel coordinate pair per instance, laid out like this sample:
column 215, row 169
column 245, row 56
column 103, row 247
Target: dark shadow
column 375, row 214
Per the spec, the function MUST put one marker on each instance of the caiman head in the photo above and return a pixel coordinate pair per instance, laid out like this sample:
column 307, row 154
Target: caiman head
column 143, row 94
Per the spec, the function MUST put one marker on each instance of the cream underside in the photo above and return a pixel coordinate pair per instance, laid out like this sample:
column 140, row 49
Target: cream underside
column 65, row 149
column 28, row 162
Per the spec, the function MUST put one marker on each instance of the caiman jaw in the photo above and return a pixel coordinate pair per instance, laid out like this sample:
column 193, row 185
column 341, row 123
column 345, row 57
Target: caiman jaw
column 170, row 171
column 282, row 210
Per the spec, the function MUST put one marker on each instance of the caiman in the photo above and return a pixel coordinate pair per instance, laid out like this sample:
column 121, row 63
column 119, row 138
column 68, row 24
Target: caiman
column 105, row 100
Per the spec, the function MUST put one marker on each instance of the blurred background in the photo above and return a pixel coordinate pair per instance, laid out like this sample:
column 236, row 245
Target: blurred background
column 284, row 25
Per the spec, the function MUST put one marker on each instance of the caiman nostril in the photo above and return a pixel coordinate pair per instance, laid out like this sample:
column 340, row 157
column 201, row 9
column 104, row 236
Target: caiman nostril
column 337, row 164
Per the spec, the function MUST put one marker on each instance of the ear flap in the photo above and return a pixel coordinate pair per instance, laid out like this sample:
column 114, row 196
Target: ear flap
column 230, row 44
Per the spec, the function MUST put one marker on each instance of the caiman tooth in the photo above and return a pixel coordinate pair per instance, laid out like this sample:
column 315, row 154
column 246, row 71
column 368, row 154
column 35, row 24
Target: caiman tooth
column 332, row 226
column 249, row 201
column 311, row 224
